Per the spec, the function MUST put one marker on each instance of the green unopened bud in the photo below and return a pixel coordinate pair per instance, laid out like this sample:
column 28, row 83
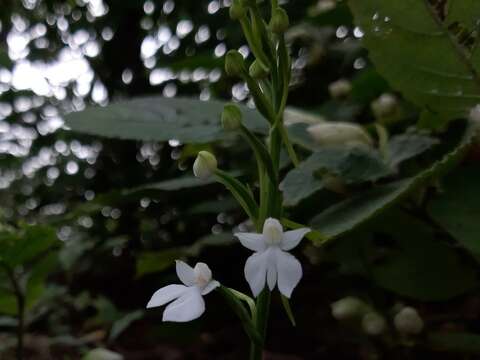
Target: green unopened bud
column 374, row 324
column 205, row 165
column 237, row 10
column 234, row 63
column 258, row 70
column 348, row 308
column 408, row 322
column 231, row 117
column 279, row 22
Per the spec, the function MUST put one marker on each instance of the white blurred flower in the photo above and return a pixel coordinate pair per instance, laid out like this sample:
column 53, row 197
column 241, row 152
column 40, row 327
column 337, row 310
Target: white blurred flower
column 339, row 133
column 374, row 324
column 340, row 88
column 187, row 302
column 271, row 263
column 407, row 321
column 348, row 308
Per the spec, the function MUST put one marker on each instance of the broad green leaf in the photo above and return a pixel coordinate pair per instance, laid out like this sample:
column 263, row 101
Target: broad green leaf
column 152, row 262
column 180, row 183
column 157, row 261
column 401, row 254
column 426, row 49
column 8, row 303
column 457, row 207
column 29, row 243
column 352, row 165
column 345, row 216
column 160, row 119
column 455, row 342
column 406, row 146
column 37, row 279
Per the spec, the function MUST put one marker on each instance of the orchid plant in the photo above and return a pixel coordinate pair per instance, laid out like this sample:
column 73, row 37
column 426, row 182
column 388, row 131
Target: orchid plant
column 271, row 265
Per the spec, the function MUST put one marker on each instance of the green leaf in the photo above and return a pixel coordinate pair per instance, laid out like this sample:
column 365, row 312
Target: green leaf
column 351, row 165
column 406, row 146
column 160, row 119
column 180, row 183
column 157, row 261
column 240, row 192
column 455, row 342
column 457, row 207
column 120, row 325
column 403, row 255
column 347, row 215
column 426, row 49
column 152, row 262
column 28, row 244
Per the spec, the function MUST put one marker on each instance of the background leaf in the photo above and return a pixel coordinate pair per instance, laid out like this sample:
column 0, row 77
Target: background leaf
column 351, row 165
column 160, row 119
column 457, row 207
column 400, row 253
column 418, row 46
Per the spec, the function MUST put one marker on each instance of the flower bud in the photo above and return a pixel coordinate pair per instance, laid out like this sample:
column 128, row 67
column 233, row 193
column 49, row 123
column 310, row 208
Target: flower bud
column 231, row 117
column 234, row 63
column 474, row 114
column 258, row 70
column 279, row 22
column 205, row 165
column 339, row 133
column 237, row 10
column 373, row 324
column 385, row 105
column 347, row 308
column 408, row 322
column 340, row 89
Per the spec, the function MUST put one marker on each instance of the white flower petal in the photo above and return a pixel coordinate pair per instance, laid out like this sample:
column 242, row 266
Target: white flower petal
column 256, row 271
column 187, row 307
column 289, row 272
column 271, row 269
column 252, row 241
column 166, row 294
column 185, row 273
column 212, row 285
column 292, row 238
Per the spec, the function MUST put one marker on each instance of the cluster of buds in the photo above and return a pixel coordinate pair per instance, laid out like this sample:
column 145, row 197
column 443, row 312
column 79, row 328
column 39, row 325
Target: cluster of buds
column 406, row 320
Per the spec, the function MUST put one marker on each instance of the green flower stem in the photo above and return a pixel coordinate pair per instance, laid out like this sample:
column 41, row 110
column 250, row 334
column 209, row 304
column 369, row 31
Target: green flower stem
column 261, row 322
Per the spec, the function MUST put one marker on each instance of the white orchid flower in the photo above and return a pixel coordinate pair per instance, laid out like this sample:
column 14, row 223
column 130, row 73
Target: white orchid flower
column 271, row 263
column 187, row 302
